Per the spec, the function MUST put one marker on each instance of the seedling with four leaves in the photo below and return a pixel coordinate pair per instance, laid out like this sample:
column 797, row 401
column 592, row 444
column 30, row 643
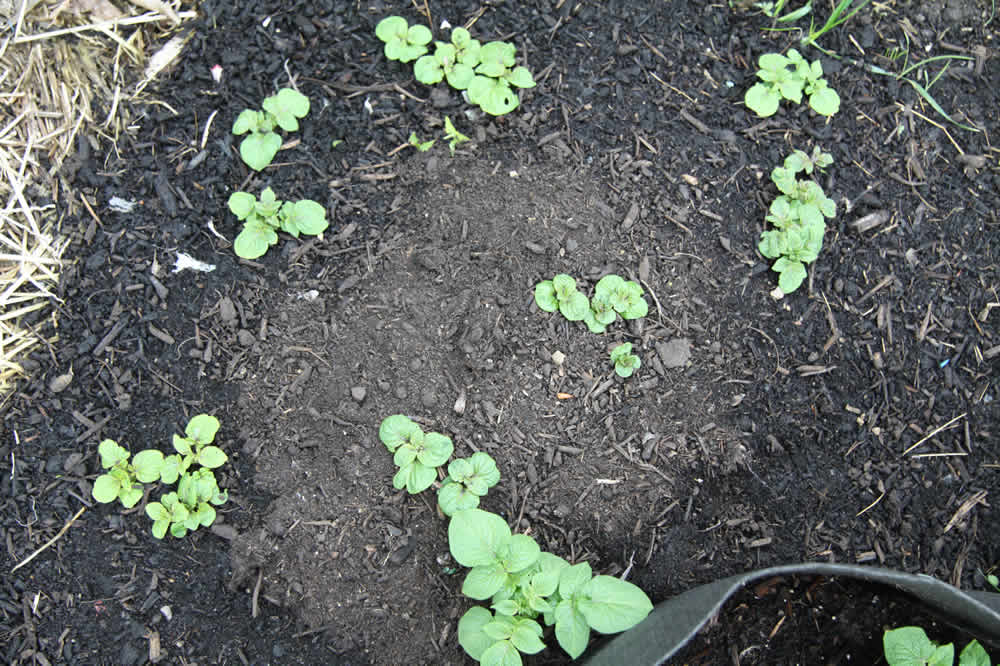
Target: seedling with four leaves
column 789, row 77
column 560, row 293
column 624, row 360
column 282, row 110
column 264, row 217
column 797, row 216
column 468, row 479
column 403, row 42
column 416, row 453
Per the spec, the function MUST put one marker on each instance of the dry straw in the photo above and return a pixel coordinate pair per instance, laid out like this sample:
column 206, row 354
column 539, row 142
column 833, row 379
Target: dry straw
column 57, row 58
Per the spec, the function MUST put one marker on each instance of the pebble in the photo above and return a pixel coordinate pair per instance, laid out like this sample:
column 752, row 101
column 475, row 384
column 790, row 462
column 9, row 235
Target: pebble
column 245, row 337
column 359, row 393
column 428, row 398
column 227, row 310
column 674, row 353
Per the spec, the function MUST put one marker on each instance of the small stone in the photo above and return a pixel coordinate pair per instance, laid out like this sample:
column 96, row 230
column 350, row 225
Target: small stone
column 428, row 399
column 359, row 393
column 61, row 382
column 245, row 337
column 675, row 353
column 227, row 310
column 558, row 357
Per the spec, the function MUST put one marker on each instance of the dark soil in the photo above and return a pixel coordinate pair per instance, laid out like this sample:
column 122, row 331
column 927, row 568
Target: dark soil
column 756, row 432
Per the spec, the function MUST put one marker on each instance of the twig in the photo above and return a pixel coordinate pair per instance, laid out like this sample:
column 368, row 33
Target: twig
column 50, row 541
column 934, row 432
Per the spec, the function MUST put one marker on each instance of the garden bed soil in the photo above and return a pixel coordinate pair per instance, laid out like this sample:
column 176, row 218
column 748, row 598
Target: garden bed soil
column 756, row 432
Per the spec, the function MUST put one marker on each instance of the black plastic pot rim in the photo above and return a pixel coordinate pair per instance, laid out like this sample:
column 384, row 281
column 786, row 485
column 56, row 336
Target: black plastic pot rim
column 673, row 622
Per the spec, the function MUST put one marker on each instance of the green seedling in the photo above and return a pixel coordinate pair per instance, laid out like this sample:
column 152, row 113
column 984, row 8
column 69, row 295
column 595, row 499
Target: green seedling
column 994, row 581
column 468, row 480
column 120, row 481
column 403, row 42
column 421, row 146
column 445, row 64
column 263, row 218
column 417, row 454
column 773, row 10
column 524, row 583
column 789, row 77
column 282, row 110
column 910, row 646
column 797, row 216
column 560, row 293
column 624, row 360
column 496, row 77
column 454, row 137
column 837, row 17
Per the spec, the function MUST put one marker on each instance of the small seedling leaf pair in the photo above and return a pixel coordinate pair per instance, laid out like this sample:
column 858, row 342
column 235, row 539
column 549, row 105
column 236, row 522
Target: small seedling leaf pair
column 910, row 646
column 797, row 216
column 416, row 453
column 788, row 77
column 624, row 360
column 468, row 480
column 451, row 135
column 282, row 109
column 264, row 217
column 403, row 42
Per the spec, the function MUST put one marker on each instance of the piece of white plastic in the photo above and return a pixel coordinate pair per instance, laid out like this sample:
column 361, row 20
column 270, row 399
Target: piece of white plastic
column 187, row 261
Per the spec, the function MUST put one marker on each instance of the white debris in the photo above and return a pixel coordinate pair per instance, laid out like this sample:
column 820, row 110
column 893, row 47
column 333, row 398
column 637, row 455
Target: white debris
column 187, row 261
column 310, row 295
column 120, row 205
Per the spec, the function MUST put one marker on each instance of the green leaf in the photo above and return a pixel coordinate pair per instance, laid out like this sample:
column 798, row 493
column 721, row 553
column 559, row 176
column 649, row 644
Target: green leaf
column 470, row 631
column 460, row 76
column 307, row 216
column 944, row 655
column 573, row 578
column 496, row 57
column 405, row 455
column 621, row 351
column 525, row 636
column 253, row 240
column 594, row 325
column 436, row 450
column 501, row 653
column 791, row 277
column 520, row 77
column 156, row 511
column 105, row 489
column 410, row 52
column 773, row 62
column 475, row 536
column 460, row 36
column 494, row 96
column 572, row 630
column 202, row 427
column 576, row 307
column 907, row 646
column 129, row 496
column 974, row 655
column 287, row 107
column 160, row 528
column 825, row 101
column 791, row 89
column 545, row 582
column 178, row 529
column 454, row 497
column 396, row 430
column 212, row 457
column 565, row 286
column 602, row 309
column 391, row 27
column 523, row 553
column 111, row 453
column 428, row 70
column 484, row 475
column 482, row 582
column 460, row 469
column 147, row 465
column 204, row 514
column 418, row 35
column 415, row 477
column 258, row 149
column 613, row 605
column 545, row 296
column 245, row 122
column 182, row 445
column 241, row 204
column 763, row 99
column 507, row 607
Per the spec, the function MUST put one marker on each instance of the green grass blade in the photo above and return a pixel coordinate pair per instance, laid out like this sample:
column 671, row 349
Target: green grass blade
column 937, row 107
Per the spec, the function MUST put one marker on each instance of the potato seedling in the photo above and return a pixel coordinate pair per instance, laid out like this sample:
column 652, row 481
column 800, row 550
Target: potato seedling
column 263, row 218
column 560, row 293
column 417, row 454
column 624, row 360
column 197, row 489
column 910, row 646
column 613, row 296
column 468, row 480
column 403, row 42
column 283, row 110
column 789, row 77
column 797, row 216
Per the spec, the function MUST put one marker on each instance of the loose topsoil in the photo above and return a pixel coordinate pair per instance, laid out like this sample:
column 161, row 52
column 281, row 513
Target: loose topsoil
column 852, row 421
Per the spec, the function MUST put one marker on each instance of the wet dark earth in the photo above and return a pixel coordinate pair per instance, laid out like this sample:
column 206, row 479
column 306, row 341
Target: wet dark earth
column 854, row 420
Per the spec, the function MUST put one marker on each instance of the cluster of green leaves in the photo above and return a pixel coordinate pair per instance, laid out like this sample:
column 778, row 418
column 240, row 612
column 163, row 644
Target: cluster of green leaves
column 624, row 360
column 417, row 454
column 468, row 479
column 403, row 42
column 282, row 110
column 797, row 216
column 486, row 72
column 263, row 218
column 910, row 646
column 197, row 490
column 451, row 135
column 613, row 296
column 789, row 77
column 523, row 584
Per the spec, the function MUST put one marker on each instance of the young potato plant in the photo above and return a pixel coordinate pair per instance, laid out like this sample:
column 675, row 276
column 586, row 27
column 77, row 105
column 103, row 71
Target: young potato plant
column 263, row 218
column 910, row 646
column 624, row 360
column 468, row 480
column 403, row 42
column 523, row 583
column 197, row 489
column 282, row 110
column 788, row 77
column 416, row 453
column 613, row 296
column 797, row 216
